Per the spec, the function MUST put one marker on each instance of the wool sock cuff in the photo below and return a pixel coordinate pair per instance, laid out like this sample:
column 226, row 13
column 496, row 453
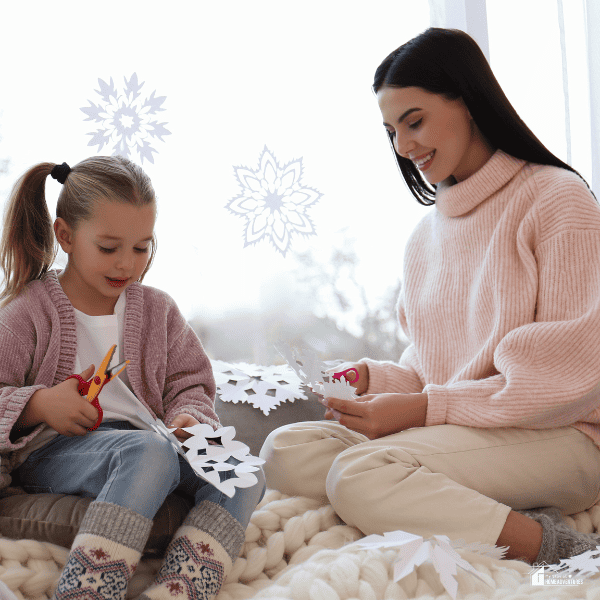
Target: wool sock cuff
column 548, row 550
column 219, row 524
column 116, row 523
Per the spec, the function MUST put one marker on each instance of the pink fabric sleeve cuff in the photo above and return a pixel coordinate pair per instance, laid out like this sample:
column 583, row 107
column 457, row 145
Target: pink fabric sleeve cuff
column 377, row 377
column 436, row 405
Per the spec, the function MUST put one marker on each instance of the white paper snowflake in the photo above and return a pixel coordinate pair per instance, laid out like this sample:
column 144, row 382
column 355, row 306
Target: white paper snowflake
column 209, row 460
column 313, row 372
column 273, row 201
column 587, row 562
column 263, row 387
column 414, row 551
column 126, row 121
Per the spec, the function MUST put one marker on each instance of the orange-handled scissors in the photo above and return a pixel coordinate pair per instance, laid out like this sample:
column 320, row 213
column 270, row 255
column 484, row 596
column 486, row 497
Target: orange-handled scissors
column 103, row 375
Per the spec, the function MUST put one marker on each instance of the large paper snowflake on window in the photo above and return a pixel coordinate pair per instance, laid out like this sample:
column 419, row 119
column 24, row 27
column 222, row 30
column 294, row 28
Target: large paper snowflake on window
column 273, row 201
column 126, row 121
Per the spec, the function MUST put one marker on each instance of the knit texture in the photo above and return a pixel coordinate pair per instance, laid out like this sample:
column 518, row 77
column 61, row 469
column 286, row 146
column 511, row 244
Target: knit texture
column 104, row 554
column 200, row 556
column 559, row 541
column 169, row 371
column 297, row 548
column 501, row 302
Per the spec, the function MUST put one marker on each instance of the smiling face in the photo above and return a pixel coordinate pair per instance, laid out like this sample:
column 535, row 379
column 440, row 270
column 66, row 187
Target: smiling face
column 107, row 253
column 437, row 134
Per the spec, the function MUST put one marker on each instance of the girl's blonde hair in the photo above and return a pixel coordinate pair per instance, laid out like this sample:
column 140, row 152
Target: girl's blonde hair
column 28, row 247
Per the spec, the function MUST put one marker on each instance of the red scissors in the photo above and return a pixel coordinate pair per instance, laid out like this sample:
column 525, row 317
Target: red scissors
column 103, row 375
column 345, row 374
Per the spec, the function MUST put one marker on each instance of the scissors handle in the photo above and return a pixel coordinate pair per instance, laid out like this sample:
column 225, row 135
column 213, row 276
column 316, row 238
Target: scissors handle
column 83, row 389
column 344, row 374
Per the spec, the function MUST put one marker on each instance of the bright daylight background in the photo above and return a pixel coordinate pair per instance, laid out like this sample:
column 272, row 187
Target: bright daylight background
column 242, row 75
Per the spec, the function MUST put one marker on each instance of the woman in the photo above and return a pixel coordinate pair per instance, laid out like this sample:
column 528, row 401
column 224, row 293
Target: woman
column 488, row 427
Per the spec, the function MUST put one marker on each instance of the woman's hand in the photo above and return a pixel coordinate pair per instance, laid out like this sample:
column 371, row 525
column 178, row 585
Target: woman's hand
column 183, row 420
column 362, row 383
column 378, row 415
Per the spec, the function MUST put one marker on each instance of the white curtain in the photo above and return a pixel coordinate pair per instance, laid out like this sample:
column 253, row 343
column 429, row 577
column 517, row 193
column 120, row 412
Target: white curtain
column 548, row 63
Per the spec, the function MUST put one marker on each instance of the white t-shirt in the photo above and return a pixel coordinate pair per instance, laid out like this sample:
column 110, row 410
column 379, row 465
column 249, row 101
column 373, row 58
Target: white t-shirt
column 95, row 335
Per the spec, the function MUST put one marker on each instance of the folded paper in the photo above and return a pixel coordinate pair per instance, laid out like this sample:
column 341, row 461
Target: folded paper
column 207, row 460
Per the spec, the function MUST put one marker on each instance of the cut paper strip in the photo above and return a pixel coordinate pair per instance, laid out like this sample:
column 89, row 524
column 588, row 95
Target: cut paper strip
column 264, row 388
column 307, row 366
column 414, row 551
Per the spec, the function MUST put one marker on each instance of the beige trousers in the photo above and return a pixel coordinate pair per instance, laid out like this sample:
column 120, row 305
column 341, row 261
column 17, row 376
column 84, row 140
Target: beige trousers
column 441, row 480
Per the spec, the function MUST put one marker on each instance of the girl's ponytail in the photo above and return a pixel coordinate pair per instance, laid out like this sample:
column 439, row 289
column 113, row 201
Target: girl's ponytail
column 28, row 247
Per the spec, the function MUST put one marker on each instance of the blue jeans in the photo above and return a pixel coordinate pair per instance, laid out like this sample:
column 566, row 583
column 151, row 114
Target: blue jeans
column 130, row 467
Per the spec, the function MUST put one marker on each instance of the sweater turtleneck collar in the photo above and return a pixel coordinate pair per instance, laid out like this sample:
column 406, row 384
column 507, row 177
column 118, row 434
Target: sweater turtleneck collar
column 461, row 198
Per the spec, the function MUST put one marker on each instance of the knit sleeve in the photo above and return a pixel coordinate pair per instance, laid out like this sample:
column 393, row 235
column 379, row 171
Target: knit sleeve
column 189, row 381
column 386, row 376
column 14, row 391
column 548, row 371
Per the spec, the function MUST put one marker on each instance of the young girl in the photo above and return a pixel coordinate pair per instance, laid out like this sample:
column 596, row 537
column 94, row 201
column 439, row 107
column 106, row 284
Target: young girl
column 488, row 429
column 54, row 324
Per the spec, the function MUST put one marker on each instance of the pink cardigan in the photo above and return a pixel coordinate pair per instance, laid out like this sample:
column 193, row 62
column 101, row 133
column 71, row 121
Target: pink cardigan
column 501, row 302
column 169, row 370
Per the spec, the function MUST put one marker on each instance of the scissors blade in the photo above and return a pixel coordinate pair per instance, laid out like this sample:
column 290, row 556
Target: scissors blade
column 100, row 376
column 116, row 371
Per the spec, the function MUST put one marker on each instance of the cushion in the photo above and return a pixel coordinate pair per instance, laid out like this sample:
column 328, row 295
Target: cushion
column 55, row 518
column 252, row 426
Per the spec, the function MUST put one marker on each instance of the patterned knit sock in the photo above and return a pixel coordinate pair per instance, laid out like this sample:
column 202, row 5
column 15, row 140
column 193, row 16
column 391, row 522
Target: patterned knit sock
column 199, row 557
column 104, row 554
column 559, row 541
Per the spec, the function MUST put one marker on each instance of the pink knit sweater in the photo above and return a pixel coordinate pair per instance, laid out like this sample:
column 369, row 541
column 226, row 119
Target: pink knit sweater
column 169, row 371
column 501, row 302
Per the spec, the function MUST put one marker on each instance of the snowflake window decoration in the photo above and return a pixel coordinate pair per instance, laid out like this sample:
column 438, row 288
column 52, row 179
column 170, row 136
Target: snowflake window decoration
column 263, row 387
column 273, row 201
column 126, row 121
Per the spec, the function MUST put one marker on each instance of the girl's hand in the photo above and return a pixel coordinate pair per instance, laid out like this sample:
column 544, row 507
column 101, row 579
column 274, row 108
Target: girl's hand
column 363, row 375
column 378, row 415
column 62, row 408
column 183, row 420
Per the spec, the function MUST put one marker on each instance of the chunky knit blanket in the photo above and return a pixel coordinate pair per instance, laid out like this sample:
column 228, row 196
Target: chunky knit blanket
column 299, row 549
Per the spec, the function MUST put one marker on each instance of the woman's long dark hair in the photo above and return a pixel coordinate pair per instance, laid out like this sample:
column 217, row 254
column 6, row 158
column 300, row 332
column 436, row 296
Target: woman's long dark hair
column 449, row 62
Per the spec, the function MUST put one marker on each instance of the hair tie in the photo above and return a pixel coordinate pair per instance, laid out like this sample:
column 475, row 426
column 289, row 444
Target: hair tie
column 60, row 172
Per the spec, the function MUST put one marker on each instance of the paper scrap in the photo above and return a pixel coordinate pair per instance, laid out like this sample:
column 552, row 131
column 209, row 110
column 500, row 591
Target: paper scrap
column 414, row 551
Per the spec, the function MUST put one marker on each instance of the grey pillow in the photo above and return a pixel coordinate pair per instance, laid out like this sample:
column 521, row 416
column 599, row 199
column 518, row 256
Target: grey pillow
column 252, row 426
